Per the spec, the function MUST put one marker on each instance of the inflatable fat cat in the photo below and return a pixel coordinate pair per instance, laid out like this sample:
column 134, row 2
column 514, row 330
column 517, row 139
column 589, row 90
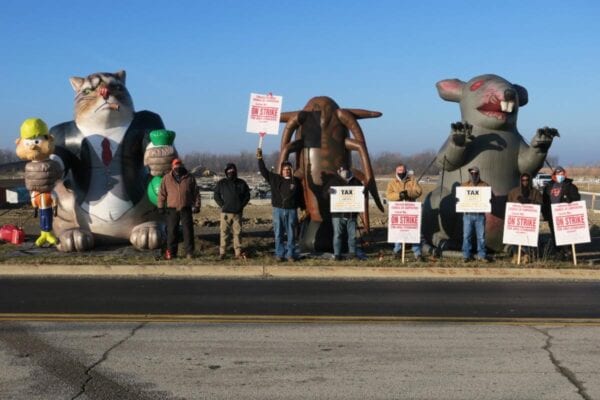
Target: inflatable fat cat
column 102, row 193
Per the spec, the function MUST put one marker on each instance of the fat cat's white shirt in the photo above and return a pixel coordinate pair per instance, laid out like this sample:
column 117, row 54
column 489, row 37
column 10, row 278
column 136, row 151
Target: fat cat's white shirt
column 109, row 207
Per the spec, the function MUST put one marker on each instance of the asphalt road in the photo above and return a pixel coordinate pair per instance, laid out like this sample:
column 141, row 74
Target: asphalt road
column 302, row 297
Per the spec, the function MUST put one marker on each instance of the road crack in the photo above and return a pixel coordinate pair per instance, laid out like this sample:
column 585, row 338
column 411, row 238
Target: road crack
column 88, row 371
column 564, row 371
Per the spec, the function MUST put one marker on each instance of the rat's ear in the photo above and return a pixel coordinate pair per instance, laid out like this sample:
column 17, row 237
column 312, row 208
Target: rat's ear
column 18, row 141
column 523, row 95
column 450, row 89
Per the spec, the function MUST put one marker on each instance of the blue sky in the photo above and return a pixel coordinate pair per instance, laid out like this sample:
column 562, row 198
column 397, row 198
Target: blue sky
column 196, row 62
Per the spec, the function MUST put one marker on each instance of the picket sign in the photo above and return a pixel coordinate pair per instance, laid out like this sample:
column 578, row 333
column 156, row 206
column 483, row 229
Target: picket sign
column 264, row 114
column 521, row 225
column 404, row 223
column 571, row 225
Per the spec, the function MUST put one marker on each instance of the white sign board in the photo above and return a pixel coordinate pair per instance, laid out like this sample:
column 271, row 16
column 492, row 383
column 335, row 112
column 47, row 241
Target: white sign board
column 473, row 199
column 347, row 199
column 570, row 223
column 522, row 224
column 264, row 113
column 404, row 222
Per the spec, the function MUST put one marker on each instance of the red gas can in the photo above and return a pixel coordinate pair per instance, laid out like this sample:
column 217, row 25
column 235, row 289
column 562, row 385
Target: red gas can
column 12, row 233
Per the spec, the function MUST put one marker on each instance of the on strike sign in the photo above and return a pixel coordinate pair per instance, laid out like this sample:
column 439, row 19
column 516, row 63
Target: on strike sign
column 570, row 223
column 264, row 113
column 404, row 222
column 522, row 224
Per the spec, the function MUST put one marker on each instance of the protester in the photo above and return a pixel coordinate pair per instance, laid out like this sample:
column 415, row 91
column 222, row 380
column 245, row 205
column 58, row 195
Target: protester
column 343, row 222
column 232, row 194
column 474, row 221
column 286, row 198
column 404, row 187
column 560, row 190
column 524, row 194
column 179, row 194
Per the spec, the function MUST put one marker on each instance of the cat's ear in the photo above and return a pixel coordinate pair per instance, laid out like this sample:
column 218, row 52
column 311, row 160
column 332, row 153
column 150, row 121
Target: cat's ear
column 76, row 82
column 121, row 75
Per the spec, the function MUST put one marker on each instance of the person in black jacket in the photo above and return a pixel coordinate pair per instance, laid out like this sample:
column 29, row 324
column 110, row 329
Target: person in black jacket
column 560, row 190
column 286, row 198
column 232, row 194
column 343, row 222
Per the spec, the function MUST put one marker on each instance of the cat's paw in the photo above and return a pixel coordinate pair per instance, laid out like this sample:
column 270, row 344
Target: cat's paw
column 42, row 175
column 75, row 240
column 159, row 158
column 147, row 236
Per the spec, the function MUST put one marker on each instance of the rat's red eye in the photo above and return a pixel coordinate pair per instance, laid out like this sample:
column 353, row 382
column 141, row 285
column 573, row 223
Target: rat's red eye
column 476, row 86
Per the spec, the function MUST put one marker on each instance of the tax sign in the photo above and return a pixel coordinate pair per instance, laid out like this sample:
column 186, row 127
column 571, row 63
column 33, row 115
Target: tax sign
column 264, row 113
column 404, row 222
column 475, row 199
column 570, row 223
column 522, row 224
column 347, row 199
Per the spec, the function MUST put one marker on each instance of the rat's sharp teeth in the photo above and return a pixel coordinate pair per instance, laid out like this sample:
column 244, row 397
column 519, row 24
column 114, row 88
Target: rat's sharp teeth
column 510, row 106
column 503, row 105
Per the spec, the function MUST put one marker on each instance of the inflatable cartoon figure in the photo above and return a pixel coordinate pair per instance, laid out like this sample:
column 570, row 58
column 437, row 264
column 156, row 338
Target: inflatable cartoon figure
column 322, row 145
column 37, row 145
column 101, row 154
column 487, row 137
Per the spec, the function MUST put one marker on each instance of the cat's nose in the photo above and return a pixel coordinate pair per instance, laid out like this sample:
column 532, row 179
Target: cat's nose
column 104, row 92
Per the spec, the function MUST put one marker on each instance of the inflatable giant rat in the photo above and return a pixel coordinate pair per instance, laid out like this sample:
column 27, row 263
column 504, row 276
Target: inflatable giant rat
column 486, row 137
column 102, row 196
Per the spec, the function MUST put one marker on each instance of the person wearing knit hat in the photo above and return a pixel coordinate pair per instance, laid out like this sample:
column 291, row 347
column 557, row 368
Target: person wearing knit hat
column 286, row 197
column 474, row 222
column 231, row 194
column 560, row 190
column 179, row 198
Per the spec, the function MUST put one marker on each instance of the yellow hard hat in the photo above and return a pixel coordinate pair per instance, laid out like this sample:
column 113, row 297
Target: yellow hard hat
column 32, row 128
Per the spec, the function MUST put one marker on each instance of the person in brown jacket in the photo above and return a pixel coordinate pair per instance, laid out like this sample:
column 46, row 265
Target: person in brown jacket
column 179, row 197
column 524, row 194
column 474, row 221
column 404, row 187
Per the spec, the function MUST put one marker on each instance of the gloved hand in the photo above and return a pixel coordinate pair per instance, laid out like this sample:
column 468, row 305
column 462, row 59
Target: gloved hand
column 195, row 210
column 259, row 153
column 403, row 195
column 161, row 211
column 35, row 212
column 332, row 191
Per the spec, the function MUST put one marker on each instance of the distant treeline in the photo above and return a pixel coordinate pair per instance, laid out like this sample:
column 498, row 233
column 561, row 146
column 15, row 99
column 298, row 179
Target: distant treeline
column 383, row 163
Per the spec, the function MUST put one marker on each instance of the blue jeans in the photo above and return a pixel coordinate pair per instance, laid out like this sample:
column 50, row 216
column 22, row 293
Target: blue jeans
column 341, row 225
column 46, row 219
column 473, row 221
column 416, row 247
column 285, row 221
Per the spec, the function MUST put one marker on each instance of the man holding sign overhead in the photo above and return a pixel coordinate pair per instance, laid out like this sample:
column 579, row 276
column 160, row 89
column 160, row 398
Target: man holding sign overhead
column 474, row 201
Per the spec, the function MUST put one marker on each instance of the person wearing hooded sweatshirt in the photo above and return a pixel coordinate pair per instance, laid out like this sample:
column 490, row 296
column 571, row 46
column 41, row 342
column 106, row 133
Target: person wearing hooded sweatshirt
column 232, row 194
column 560, row 190
column 403, row 187
column 474, row 221
column 179, row 194
column 286, row 198
column 524, row 194
column 343, row 222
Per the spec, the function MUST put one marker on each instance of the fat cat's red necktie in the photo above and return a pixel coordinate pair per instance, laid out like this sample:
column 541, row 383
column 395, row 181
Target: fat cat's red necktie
column 106, row 152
